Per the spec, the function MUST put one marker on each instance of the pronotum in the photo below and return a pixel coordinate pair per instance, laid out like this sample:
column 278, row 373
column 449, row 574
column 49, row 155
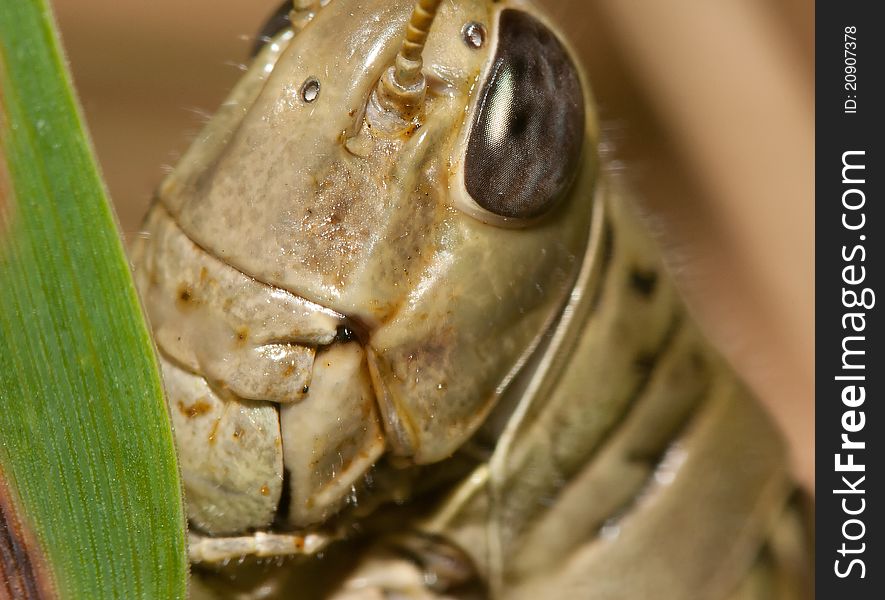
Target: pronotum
column 416, row 344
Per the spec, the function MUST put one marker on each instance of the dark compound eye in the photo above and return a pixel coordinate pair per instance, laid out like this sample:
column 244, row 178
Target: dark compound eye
column 526, row 137
column 278, row 21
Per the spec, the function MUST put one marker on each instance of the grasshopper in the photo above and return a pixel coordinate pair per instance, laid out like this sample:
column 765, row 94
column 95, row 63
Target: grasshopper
column 417, row 345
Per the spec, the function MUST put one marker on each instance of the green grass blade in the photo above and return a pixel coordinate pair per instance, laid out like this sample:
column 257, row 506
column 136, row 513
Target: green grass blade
column 88, row 475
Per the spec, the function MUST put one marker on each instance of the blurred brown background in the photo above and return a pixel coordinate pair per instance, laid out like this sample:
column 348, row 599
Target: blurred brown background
column 708, row 109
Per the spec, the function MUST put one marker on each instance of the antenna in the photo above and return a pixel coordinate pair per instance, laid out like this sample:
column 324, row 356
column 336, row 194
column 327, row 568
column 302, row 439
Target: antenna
column 402, row 87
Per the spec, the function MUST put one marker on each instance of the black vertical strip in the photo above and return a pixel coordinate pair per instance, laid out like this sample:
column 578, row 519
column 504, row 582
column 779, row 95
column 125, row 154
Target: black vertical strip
column 850, row 225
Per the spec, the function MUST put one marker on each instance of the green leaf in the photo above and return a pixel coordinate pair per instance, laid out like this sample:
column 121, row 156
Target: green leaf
column 90, row 499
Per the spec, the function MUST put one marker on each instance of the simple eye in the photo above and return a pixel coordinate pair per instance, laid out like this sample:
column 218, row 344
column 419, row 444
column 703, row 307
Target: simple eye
column 278, row 21
column 526, row 136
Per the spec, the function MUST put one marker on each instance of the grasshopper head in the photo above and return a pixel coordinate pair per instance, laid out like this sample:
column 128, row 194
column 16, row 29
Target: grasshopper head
column 441, row 218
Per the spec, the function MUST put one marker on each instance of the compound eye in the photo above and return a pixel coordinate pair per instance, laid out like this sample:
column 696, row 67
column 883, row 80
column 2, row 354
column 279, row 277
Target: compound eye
column 525, row 141
column 278, row 21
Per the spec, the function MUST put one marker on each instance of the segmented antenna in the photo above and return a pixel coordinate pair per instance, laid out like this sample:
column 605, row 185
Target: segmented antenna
column 408, row 60
column 402, row 88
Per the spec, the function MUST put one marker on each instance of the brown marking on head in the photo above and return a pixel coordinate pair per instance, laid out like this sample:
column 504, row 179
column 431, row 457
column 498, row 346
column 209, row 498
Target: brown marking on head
column 23, row 572
column 204, row 275
column 184, row 297
column 434, row 350
column 242, row 335
column 265, row 491
column 213, row 432
column 238, row 434
column 197, row 409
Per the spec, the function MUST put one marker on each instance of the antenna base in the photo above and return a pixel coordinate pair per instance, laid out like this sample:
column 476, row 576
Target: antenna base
column 395, row 104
